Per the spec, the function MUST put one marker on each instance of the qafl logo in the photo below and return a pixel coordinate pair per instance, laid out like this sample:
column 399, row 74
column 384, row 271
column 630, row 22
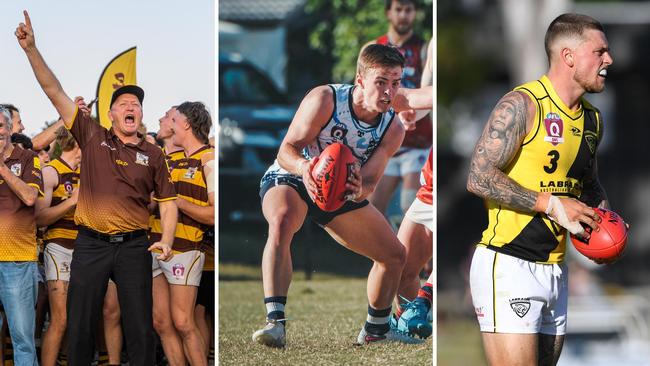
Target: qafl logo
column 554, row 129
column 68, row 187
column 338, row 132
column 178, row 270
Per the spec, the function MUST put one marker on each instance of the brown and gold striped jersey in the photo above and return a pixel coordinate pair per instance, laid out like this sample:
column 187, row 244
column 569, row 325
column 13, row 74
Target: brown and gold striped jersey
column 154, row 219
column 64, row 230
column 190, row 185
column 173, row 157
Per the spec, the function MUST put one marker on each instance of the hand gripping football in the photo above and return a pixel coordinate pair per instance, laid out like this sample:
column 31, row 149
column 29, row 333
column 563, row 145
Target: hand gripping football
column 331, row 172
column 606, row 244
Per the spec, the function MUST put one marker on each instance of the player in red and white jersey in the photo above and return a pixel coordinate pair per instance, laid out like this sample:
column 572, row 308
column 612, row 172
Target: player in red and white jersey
column 425, row 193
column 404, row 166
column 416, row 230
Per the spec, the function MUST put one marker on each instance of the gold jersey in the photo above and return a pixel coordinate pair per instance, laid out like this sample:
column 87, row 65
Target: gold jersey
column 555, row 156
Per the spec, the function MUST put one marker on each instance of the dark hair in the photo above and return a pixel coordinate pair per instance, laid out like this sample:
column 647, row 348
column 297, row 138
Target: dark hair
column 155, row 137
column 379, row 55
column 10, row 107
column 19, row 138
column 569, row 24
column 198, row 117
column 64, row 139
column 389, row 3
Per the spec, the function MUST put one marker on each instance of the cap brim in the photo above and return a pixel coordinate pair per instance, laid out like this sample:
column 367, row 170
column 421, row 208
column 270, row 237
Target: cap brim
column 128, row 89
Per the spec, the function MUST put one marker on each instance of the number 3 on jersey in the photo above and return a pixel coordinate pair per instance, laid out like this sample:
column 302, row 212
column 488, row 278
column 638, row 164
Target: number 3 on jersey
column 555, row 156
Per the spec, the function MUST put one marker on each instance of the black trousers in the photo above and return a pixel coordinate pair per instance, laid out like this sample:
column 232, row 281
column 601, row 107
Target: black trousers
column 128, row 264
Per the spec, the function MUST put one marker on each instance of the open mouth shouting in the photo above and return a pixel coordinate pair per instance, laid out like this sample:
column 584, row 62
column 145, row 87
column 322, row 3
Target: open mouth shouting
column 129, row 120
column 603, row 73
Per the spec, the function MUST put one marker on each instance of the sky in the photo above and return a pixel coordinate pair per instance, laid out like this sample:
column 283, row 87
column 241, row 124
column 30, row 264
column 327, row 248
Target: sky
column 175, row 58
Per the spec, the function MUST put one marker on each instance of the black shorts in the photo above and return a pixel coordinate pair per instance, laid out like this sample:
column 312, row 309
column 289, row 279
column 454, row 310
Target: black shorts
column 313, row 212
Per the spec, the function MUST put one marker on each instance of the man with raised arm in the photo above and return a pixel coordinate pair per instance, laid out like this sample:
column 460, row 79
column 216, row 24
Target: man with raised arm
column 120, row 172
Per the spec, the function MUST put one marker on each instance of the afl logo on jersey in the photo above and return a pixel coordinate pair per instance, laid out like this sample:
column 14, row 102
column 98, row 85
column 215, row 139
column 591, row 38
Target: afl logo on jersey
column 338, row 132
column 554, row 129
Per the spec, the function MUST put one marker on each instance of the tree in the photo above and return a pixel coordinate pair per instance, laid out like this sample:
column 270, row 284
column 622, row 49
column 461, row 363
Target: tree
column 346, row 25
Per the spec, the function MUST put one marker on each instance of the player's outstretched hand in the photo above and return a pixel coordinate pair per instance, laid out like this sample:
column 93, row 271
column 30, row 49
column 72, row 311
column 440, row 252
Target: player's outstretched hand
column 305, row 167
column 354, row 184
column 25, row 33
column 81, row 104
column 164, row 249
column 408, row 118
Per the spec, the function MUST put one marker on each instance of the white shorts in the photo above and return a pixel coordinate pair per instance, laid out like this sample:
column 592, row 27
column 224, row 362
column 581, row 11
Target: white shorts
column 57, row 262
column 511, row 295
column 410, row 161
column 182, row 269
column 421, row 213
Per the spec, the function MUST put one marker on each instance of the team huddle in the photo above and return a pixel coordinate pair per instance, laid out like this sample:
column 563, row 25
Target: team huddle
column 125, row 226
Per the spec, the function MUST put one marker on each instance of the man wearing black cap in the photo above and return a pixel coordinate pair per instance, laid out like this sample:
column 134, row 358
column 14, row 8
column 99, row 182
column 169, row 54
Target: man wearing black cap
column 119, row 172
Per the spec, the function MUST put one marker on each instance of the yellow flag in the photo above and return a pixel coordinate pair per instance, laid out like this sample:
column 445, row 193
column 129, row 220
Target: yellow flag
column 119, row 72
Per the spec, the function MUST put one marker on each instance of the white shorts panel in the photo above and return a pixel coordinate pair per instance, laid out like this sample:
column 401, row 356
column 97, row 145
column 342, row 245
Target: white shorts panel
column 421, row 213
column 183, row 269
column 57, row 262
column 511, row 295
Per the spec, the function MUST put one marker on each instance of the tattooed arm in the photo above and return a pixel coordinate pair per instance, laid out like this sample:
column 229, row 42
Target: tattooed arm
column 509, row 123
column 504, row 132
column 593, row 193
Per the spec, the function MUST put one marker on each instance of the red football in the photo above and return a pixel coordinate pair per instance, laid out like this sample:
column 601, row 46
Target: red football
column 606, row 244
column 331, row 173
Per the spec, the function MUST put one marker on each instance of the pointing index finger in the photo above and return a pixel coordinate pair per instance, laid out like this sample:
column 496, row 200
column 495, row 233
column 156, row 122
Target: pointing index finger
column 27, row 20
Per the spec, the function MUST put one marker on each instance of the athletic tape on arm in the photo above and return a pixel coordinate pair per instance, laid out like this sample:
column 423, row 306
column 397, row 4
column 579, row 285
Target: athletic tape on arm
column 556, row 212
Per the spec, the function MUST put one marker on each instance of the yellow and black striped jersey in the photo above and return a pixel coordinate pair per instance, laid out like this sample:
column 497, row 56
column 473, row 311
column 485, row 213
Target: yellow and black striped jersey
column 63, row 231
column 555, row 157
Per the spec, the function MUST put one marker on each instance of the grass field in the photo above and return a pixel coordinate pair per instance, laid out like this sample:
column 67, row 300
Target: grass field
column 459, row 343
column 325, row 316
column 459, row 339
